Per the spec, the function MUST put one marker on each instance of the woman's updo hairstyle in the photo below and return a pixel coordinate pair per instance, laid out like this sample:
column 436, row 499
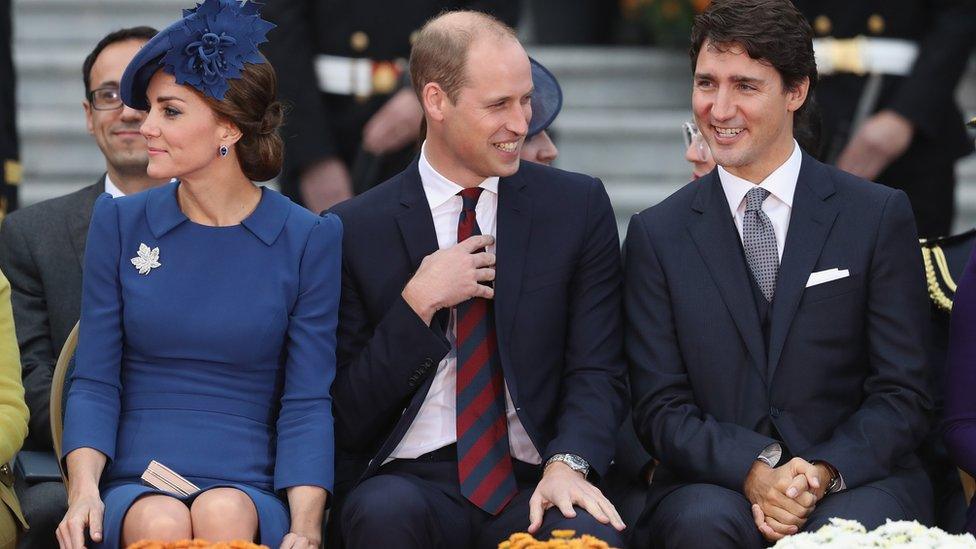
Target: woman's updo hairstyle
column 251, row 104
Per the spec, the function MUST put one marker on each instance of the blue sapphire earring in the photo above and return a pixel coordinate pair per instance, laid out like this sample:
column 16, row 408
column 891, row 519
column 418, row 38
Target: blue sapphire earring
column 223, row 150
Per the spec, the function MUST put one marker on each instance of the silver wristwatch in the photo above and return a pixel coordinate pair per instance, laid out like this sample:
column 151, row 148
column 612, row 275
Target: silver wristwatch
column 575, row 463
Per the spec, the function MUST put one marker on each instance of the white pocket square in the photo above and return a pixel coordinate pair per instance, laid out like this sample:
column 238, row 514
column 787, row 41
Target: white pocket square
column 828, row 275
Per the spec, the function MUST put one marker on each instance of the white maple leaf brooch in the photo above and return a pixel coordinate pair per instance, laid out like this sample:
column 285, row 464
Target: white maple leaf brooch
column 146, row 260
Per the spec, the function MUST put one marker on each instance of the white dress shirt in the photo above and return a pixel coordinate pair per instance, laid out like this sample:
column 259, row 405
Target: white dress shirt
column 436, row 423
column 781, row 184
column 111, row 188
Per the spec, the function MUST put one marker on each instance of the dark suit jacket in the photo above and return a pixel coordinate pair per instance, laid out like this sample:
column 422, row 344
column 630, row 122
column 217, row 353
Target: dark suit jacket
column 557, row 305
column 41, row 252
column 844, row 377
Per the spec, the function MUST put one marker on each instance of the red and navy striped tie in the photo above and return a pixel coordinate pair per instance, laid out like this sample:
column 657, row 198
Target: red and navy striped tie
column 484, row 459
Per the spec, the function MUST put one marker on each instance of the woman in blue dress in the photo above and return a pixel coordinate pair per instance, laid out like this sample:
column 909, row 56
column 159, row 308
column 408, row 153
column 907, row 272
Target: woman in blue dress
column 209, row 312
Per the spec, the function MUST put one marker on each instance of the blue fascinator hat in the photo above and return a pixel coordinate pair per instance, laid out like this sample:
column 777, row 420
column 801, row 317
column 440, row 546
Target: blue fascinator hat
column 209, row 46
column 547, row 99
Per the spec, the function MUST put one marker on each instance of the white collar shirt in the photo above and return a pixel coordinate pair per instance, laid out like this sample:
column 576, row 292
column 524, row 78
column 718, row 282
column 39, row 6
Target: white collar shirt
column 111, row 188
column 781, row 184
column 436, row 423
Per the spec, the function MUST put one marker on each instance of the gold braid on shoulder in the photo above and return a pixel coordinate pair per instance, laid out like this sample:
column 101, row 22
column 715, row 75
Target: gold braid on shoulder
column 934, row 257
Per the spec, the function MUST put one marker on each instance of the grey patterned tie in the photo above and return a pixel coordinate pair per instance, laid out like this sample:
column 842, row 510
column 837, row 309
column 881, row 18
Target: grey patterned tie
column 759, row 241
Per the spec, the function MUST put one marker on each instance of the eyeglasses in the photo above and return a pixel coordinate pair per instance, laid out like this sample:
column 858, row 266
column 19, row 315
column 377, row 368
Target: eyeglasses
column 105, row 99
column 693, row 136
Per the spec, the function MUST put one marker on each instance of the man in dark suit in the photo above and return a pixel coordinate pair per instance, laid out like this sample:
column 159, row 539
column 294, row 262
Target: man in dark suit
column 9, row 143
column 775, row 310
column 342, row 66
column 41, row 252
column 467, row 411
column 892, row 115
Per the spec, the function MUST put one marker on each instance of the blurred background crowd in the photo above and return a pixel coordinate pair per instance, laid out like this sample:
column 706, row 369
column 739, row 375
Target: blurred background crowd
column 625, row 75
column 622, row 65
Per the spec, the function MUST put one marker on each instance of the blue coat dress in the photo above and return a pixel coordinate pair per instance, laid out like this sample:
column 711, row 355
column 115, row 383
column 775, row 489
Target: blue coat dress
column 217, row 362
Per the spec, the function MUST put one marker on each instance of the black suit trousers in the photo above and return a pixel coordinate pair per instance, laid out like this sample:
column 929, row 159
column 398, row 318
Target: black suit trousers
column 707, row 515
column 417, row 503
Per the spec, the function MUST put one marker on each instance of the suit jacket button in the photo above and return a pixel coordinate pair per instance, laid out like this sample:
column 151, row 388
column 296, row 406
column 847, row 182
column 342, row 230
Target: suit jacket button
column 773, row 411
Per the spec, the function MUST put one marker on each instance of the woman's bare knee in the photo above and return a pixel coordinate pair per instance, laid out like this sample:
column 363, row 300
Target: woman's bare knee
column 156, row 517
column 224, row 514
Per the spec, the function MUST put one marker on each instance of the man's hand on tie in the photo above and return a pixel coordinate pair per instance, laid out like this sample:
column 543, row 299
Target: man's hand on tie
column 878, row 142
column 563, row 487
column 450, row 276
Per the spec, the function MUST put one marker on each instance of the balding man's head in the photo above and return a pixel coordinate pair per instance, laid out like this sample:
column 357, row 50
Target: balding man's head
column 474, row 81
column 440, row 51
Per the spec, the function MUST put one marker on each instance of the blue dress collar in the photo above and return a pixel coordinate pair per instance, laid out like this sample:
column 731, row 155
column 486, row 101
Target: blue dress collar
column 266, row 221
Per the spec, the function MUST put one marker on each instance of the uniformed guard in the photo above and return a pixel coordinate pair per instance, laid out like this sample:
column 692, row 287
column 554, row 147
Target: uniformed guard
column 889, row 70
column 10, row 170
column 342, row 68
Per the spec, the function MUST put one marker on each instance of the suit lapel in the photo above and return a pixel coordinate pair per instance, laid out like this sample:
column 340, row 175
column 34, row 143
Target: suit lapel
column 417, row 226
column 512, row 232
column 80, row 218
column 717, row 241
column 415, row 221
column 811, row 218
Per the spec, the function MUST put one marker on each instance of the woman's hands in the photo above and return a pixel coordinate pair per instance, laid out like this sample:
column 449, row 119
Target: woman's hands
column 298, row 541
column 85, row 509
column 307, row 504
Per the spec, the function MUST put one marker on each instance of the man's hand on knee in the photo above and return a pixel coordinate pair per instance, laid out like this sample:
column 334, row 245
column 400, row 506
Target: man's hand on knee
column 563, row 487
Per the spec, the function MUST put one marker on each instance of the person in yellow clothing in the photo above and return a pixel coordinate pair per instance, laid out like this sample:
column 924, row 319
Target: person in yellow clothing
column 13, row 420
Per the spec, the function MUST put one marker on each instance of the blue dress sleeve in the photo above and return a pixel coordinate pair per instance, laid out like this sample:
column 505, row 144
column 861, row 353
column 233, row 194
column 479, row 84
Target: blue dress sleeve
column 305, row 454
column 92, row 411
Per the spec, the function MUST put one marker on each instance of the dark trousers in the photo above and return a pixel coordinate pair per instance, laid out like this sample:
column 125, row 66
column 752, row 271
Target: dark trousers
column 418, row 503
column 44, row 505
column 706, row 515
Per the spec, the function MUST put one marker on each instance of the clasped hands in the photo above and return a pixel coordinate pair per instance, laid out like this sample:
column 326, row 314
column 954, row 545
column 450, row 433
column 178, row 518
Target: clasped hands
column 783, row 497
column 451, row 276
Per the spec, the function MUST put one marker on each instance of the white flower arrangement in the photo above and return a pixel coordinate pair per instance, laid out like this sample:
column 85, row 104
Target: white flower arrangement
column 850, row 534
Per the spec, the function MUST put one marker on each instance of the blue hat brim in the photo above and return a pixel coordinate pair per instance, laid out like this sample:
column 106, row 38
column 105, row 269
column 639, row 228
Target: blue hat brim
column 547, row 99
column 135, row 79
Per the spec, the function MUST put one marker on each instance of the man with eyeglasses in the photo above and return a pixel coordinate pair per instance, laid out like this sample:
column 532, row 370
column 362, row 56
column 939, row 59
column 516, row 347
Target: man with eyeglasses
column 41, row 252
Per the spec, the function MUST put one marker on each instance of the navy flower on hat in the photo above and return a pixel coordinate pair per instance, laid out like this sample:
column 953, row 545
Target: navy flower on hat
column 214, row 41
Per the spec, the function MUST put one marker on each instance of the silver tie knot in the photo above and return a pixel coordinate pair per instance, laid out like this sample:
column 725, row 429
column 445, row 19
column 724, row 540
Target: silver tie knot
column 755, row 198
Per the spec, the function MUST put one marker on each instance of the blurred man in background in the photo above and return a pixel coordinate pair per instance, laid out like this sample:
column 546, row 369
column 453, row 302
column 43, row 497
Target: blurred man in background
column 9, row 163
column 889, row 72
column 41, row 252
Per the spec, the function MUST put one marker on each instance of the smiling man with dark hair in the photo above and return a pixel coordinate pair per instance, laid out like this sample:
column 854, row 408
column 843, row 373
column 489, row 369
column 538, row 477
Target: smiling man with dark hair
column 775, row 309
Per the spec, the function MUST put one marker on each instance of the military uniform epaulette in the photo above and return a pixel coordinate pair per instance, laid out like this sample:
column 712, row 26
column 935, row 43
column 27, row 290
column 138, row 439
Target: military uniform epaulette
column 945, row 259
